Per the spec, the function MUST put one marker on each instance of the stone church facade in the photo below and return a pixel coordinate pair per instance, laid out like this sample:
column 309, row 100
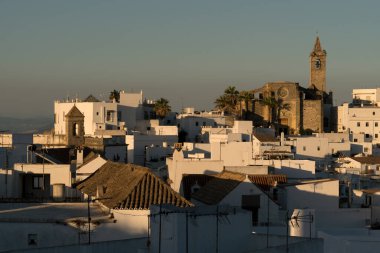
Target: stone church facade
column 293, row 109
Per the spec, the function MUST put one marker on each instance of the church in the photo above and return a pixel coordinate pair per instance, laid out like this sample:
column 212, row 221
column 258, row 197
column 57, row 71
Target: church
column 293, row 109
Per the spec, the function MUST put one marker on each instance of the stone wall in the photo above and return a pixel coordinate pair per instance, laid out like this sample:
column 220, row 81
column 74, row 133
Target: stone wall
column 312, row 115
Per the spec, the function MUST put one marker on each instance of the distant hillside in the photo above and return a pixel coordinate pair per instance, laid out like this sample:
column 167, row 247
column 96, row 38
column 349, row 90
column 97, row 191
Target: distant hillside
column 28, row 125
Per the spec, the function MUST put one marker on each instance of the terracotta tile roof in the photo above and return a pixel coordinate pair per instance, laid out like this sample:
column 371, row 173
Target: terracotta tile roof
column 367, row 159
column 188, row 181
column 89, row 158
column 91, row 98
column 129, row 186
column 265, row 182
column 218, row 187
column 264, row 137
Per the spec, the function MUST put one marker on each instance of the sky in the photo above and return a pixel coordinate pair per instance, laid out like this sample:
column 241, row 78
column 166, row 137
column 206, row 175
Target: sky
column 185, row 51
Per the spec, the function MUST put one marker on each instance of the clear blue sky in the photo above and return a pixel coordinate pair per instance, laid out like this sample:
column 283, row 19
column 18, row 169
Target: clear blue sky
column 185, row 51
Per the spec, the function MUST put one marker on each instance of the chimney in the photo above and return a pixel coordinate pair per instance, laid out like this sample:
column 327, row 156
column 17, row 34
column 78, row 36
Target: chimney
column 79, row 157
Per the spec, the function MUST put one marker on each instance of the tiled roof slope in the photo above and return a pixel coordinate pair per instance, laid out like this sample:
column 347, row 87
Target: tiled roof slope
column 91, row 98
column 265, row 182
column 74, row 112
column 128, row 186
column 367, row 159
column 218, row 187
column 265, row 137
column 189, row 180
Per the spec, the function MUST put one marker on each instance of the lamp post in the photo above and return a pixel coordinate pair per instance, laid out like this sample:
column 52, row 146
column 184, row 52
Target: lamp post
column 89, row 214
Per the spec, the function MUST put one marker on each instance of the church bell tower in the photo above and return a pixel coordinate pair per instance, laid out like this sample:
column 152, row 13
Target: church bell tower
column 318, row 66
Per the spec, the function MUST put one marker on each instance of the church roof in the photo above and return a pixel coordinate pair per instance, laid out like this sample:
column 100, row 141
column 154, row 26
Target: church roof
column 74, row 112
column 317, row 49
column 317, row 45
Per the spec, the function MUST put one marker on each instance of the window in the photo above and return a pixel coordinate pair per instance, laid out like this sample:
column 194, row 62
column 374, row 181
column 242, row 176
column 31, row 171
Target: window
column 358, row 124
column 204, row 123
column 376, row 135
column 75, row 129
column 251, row 203
column 261, row 96
column 376, row 124
column 318, row 148
column 355, row 140
column 367, row 124
column 38, row 182
column 196, row 123
column 110, row 116
column 365, row 149
column 304, row 148
column 373, row 113
column 367, row 135
column 97, row 113
column 32, row 239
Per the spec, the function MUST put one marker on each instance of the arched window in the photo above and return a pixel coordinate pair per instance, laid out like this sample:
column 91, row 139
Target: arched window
column 75, row 129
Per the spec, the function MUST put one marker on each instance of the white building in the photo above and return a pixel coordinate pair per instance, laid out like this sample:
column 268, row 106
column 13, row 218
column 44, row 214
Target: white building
column 191, row 122
column 98, row 115
column 362, row 116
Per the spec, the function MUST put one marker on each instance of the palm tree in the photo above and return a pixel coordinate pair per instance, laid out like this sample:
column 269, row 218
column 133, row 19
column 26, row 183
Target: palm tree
column 245, row 96
column 228, row 101
column 162, row 107
column 271, row 104
column 275, row 106
column 115, row 95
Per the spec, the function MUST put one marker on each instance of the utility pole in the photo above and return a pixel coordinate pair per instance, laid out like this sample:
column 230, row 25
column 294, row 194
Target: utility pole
column 89, row 218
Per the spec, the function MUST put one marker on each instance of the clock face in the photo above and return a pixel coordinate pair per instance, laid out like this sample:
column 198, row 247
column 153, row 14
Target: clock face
column 318, row 64
column 282, row 92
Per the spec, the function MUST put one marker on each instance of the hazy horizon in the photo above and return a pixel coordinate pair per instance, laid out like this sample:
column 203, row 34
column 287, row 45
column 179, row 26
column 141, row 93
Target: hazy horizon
column 187, row 52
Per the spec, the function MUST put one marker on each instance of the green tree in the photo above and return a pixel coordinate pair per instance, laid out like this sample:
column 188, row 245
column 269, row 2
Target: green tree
column 162, row 108
column 115, row 95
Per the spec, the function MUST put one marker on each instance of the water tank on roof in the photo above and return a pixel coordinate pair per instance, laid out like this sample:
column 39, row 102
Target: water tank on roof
column 59, row 192
column 302, row 223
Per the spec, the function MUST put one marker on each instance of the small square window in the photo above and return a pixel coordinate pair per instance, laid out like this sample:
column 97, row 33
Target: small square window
column 373, row 113
column 355, row 140
column 367, row 124
column 367, row 135
column 376, row 124
column 358, row 124
column 304, row 148
column 318, row 148
column 376, row 135
column 196, row 123
column 38, row 182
